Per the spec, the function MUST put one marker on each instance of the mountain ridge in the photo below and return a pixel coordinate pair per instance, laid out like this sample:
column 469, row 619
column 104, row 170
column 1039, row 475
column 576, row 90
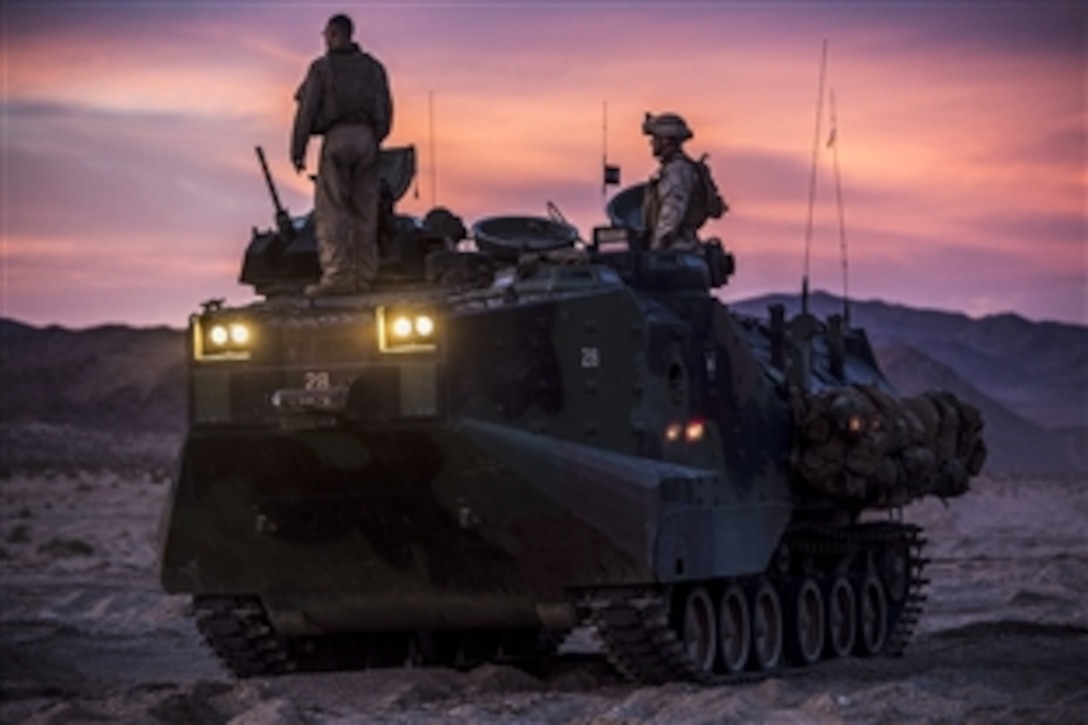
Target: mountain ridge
column 1037, row 369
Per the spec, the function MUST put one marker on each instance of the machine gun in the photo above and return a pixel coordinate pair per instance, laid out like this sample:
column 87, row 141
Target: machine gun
column 285, row 229
column 284, row 259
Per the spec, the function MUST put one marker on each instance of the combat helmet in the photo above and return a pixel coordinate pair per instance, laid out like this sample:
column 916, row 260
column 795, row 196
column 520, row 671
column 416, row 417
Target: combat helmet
column 666, row 125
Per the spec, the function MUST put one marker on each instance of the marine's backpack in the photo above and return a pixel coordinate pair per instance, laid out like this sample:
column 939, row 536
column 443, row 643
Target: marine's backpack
column 708, row 200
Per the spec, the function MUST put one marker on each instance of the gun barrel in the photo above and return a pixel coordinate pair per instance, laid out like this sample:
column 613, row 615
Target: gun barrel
column 284, row 228
column 268, row 180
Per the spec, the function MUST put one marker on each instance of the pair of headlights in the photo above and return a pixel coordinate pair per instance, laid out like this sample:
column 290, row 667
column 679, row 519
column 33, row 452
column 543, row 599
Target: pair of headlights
column 405, row 331
column 236, row 333
column 404, row 327
column 231, row 340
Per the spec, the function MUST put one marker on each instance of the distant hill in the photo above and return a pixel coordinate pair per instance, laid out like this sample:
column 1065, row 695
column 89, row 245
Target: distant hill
column 1037, row 369
column 1029, row 379
column 110, row 377
column 1016, row 445
column 12, row 328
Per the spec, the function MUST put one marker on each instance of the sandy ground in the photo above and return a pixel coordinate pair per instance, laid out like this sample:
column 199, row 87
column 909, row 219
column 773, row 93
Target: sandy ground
column 86, row 635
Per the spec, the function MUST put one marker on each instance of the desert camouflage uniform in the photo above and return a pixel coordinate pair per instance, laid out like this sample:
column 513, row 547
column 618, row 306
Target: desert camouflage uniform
column 667, row 204
column 345, row 98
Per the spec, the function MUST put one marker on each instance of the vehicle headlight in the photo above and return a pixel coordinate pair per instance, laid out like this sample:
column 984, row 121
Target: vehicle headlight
column 406, row 330
column 402, row 327
column 424, row 325
column 222, row 340
column 239, row 333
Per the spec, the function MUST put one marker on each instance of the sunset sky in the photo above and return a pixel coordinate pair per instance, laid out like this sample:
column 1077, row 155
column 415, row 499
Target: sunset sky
column 129, row 182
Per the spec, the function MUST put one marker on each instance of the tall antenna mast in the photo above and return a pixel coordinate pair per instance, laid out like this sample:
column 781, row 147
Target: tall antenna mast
column 812, row 178
column 609, row 174
column 431, row 151
column 604, row 150
column 833, row 142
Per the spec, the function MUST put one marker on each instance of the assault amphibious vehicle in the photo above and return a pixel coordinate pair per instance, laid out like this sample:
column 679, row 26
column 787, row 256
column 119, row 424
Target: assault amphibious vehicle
column 505, row 440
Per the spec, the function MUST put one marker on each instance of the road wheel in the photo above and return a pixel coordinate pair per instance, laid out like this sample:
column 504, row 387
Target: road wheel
column 842, row 618
column 872, row 616
column 766, row 627
column 808, row 623
column 699, row 630
column 734, row 629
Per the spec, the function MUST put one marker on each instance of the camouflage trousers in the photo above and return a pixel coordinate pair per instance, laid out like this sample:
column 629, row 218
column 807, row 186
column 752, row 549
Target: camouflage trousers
column 346, row 207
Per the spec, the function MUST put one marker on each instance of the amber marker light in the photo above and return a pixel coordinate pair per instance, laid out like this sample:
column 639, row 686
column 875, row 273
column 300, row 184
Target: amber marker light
column 694, row 431
column 672, row 432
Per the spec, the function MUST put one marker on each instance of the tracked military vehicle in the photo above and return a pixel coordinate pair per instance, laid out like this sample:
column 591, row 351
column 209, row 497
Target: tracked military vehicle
column 505, row 440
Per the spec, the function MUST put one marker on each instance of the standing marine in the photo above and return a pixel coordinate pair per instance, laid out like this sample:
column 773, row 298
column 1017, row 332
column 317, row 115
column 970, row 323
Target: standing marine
column 681, row 195
column 345, row 98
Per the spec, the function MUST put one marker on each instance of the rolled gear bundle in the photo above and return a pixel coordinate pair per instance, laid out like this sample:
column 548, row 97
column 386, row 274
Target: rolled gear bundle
column 862, row 445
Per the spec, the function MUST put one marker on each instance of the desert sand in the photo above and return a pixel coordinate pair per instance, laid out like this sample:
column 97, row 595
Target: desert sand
column 87, row 635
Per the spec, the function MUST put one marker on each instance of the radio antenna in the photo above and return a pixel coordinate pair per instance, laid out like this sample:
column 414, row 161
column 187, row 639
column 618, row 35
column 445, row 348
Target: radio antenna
column 604, row 150
column 812, row 178
column 610, row 175
column 833, row 142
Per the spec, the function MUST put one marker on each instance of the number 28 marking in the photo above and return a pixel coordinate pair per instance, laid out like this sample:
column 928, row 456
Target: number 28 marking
column 317, row 381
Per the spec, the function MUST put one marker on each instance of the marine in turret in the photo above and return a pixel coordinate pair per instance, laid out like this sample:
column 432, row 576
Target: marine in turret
column 681, row 195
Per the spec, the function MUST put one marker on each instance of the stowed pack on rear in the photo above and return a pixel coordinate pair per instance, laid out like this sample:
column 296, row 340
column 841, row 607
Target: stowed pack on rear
column 707, row 202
